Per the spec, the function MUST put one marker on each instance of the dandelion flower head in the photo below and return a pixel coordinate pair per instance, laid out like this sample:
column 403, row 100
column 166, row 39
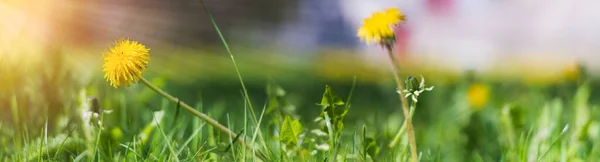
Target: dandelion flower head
column 125, row 62
column 379, row 28
column 478, row 95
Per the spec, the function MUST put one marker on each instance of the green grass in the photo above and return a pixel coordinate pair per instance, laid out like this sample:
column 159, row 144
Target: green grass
column 283, row 109
column 521, row 122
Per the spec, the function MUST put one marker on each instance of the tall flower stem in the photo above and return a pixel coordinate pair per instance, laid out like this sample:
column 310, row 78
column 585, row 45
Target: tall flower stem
column 405, row 108
column 201, row 116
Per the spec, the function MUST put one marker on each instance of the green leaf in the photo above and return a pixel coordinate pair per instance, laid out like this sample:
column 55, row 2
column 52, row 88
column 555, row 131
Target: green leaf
column 372, row 147
column 330, row 98
column 332, row 104
column 290, row 131
column 337, row 117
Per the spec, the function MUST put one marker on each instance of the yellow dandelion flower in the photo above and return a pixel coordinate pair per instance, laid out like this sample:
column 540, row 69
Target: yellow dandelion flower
column 116, row 133
column 124, row 62
column 379, row 28
column 478, row 95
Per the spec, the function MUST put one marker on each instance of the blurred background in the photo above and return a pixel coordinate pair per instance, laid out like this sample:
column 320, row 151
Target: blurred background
column 526, row 52
column 461, row 33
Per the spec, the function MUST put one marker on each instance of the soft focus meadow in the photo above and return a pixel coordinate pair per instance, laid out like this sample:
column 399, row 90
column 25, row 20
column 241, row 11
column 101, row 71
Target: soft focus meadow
column 302, row 103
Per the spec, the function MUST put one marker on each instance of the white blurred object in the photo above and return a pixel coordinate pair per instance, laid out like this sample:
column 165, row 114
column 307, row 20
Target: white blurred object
column 479, row 33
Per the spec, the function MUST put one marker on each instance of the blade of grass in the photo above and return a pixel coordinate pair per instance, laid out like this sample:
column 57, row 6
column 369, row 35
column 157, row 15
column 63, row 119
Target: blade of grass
column 439, row 157
column 197, row 152
column 245, row 128
column 134, row 147
column 41, row 146
column 258, row 130
column 212, row 150
column 194, row 134
column 230, row 138
column 167, row 140
column 46, row 136
column 526, row 146
column 177, row 109
column 97, row 143
column 237, row 70
column 336, row 148
column 131, row 150
column 401, row 131
column 406, row 149
column 351, row 92
column 364, row 141
column 65, row 140
column 331, row 136
column 354, row 142
column 196, row 140
column 233, row 141
column 196, row 113
column 15, row 114
column 80, row 156
column 562, row 134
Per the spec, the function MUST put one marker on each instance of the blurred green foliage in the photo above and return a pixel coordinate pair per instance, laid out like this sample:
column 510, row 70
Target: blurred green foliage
column 44, row 100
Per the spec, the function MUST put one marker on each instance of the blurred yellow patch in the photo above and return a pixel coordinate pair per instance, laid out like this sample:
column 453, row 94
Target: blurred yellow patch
column 478, row 95
column 344, row 67
column 571, row 71
column 117, row 133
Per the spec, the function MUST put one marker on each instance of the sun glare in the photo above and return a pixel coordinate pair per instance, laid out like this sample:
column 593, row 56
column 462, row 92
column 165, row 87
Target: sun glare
column 29, row 26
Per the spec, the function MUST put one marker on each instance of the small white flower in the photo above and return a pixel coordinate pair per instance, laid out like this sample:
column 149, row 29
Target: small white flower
column 107, row 111
column 322, row 147
column 87, row 115
column 314, row 152
column 318, row 132
column 318, row 119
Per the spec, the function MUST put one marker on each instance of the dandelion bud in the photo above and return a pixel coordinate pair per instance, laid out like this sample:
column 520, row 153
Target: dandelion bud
column 411, row 83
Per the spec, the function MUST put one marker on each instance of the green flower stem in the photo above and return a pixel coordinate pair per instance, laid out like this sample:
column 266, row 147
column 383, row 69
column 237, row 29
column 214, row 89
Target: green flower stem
column 200, row 115
column 400, row 85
